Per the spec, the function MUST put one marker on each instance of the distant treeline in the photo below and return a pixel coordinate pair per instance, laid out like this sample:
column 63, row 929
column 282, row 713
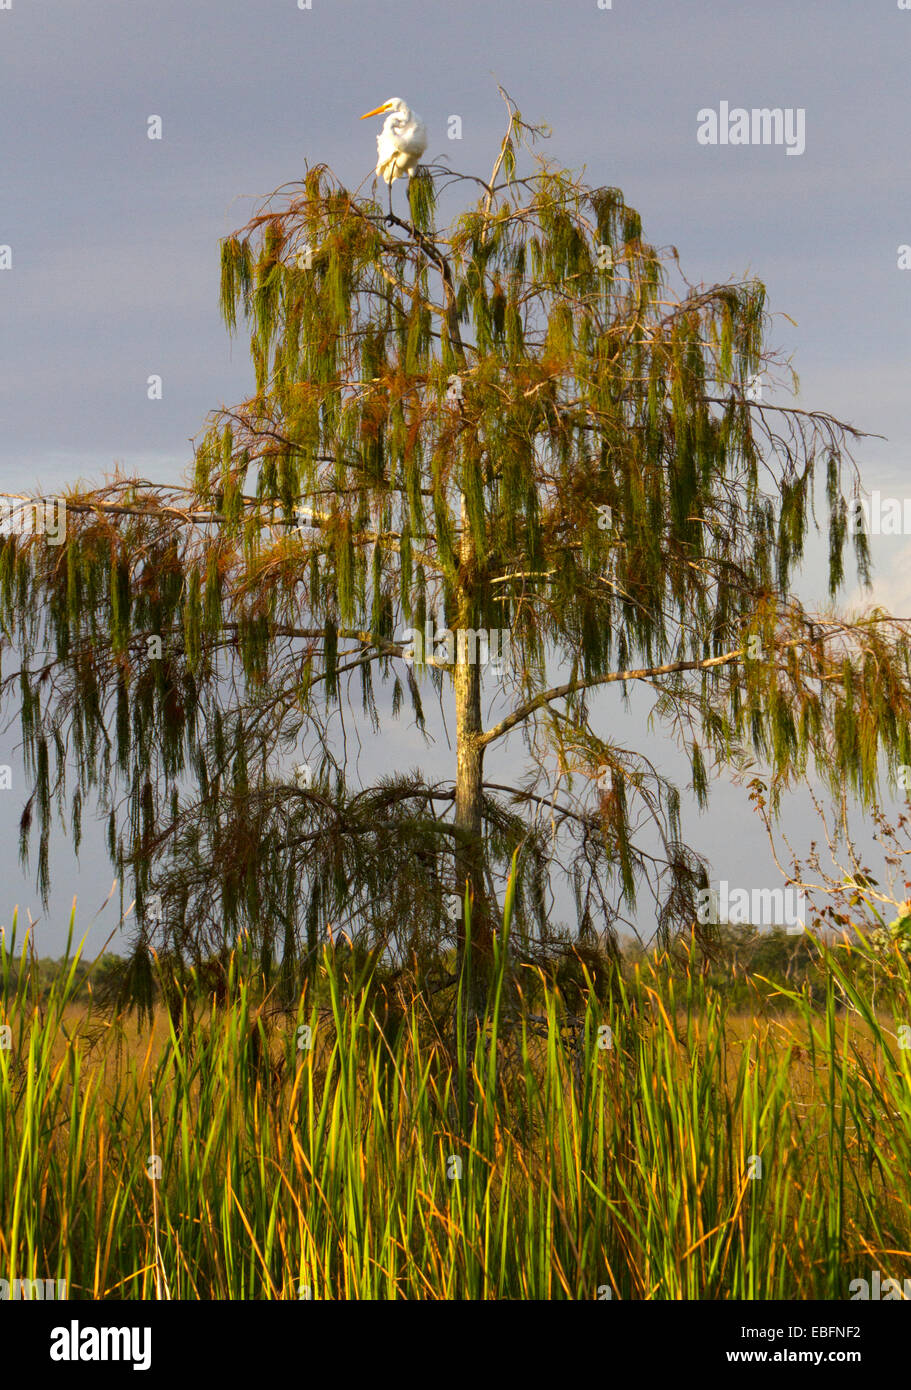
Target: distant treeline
column 747, row 964
column 42, row 972
column 744, row 964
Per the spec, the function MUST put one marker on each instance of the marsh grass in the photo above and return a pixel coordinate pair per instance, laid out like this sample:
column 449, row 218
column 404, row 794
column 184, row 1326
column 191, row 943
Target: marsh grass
column 518, row 1159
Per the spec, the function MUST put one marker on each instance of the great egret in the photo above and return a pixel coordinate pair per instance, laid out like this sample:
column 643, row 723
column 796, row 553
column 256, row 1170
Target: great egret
column 400, row 143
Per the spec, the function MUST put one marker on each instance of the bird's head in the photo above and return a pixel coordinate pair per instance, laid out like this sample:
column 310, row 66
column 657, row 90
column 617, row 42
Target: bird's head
column 394, row 105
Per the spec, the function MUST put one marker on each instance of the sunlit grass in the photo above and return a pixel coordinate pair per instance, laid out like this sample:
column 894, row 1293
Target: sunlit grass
column 523, row 1160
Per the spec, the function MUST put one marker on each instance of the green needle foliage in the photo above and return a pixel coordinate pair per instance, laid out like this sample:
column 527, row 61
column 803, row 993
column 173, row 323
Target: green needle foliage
column 524, row 421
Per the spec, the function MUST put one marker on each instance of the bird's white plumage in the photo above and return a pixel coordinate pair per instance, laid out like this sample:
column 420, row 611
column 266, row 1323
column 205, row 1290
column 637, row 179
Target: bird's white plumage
column 401, row 142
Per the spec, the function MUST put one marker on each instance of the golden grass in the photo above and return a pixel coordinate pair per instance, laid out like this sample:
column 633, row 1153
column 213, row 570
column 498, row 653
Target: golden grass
column 517, row 1163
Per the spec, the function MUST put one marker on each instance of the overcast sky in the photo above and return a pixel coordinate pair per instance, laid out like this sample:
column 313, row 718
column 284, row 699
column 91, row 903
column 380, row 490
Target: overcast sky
column 113, row 237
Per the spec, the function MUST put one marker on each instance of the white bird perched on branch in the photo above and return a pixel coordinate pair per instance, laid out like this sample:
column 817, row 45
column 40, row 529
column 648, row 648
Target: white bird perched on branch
column 400, row 143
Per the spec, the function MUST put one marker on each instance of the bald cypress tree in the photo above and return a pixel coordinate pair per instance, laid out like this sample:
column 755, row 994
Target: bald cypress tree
column 514, row 425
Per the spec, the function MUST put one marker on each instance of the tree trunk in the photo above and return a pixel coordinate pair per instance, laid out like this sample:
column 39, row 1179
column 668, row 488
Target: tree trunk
column 469, row 854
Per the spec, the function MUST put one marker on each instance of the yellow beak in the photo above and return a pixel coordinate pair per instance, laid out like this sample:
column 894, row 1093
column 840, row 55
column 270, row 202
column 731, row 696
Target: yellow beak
column 376, row 112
